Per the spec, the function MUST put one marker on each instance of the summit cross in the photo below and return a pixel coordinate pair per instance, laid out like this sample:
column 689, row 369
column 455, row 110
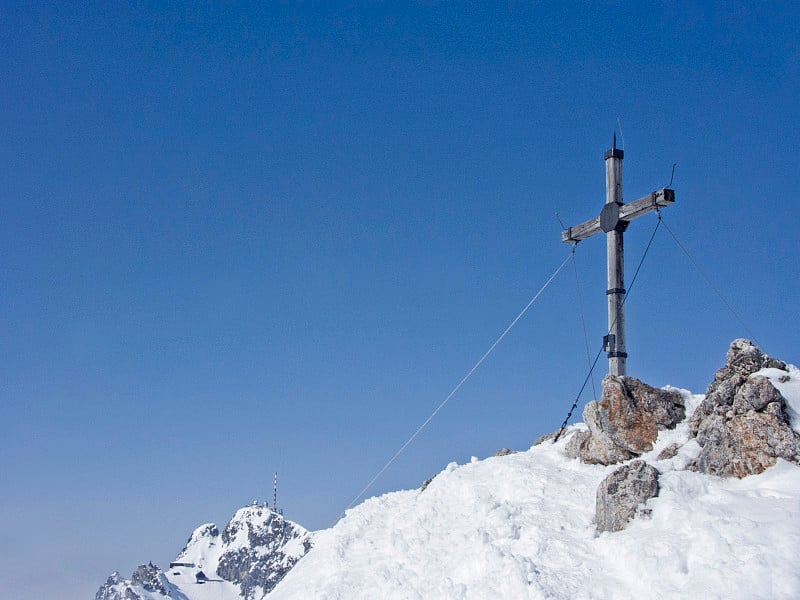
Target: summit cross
column 613, row 221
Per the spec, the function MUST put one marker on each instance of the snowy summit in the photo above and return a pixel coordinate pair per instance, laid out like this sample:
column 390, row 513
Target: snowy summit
column 524, row 525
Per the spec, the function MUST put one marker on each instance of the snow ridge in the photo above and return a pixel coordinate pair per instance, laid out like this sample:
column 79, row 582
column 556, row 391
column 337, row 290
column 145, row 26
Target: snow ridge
column 522, row 526
column 516, row 526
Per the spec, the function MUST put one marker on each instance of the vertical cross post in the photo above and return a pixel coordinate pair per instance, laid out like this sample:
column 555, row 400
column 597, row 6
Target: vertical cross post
column 614, row 228
column 613, row 221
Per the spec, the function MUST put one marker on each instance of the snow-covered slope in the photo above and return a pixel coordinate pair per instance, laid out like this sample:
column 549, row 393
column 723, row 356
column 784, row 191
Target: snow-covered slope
column 521, row 526
column 515, row 526
column 252, row 553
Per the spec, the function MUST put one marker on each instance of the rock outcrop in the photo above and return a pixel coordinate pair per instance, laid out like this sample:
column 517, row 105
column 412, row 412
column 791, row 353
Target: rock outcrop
column 150, row 578
column 620, row 495
column 504, row 452
column 625, row 422
column 147, row 583
column 260, row 548
column 742, row 425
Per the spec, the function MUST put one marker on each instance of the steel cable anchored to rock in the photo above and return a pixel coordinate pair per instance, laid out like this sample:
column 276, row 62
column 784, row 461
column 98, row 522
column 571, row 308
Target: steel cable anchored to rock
column 741, row 427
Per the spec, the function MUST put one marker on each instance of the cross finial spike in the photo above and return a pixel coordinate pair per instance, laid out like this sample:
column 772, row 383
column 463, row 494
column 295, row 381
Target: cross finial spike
column 614, row 152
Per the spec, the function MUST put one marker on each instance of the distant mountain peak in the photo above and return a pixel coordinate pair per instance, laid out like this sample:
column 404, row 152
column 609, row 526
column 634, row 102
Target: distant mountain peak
column 252, row 553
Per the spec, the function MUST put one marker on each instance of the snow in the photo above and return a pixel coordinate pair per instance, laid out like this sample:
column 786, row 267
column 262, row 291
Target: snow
column 789, row 389
column 521, row 526
column 185, row 584
column 205, row 548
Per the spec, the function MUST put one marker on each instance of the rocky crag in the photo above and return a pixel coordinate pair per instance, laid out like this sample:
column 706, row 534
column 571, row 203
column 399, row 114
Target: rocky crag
column 146, row 582
column 260, row 548
column 741, row 428
column 742, row 425
column 625, row 422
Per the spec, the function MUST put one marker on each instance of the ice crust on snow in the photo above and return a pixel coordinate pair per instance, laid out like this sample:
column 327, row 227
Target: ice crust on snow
column 521, row 526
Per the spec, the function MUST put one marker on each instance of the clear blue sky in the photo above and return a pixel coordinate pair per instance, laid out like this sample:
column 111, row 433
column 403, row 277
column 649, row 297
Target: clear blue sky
column 238, row 239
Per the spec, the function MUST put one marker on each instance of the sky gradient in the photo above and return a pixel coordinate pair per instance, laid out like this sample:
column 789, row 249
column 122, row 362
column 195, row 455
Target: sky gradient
column 239, row 239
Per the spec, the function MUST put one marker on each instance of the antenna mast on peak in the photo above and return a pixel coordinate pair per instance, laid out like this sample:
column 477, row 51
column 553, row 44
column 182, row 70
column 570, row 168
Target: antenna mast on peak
column 275, row 493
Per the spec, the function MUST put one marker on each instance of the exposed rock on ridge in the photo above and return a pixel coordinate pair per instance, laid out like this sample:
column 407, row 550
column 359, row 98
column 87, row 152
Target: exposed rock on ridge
column 620, row 495
column 742, row 424
column 147, row 582
column 257, row 557
column 626, row 421
column 742, row 427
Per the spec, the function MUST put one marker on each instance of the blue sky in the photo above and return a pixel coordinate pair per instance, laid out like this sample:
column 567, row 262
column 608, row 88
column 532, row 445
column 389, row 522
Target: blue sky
column 239, row 239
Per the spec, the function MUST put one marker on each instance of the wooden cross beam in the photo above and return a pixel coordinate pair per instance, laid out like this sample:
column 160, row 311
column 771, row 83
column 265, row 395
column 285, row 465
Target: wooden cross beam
column 613, row 221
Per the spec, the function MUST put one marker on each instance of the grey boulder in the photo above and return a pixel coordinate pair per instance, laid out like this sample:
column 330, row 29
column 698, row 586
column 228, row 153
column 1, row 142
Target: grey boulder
column 621, row 494
column 742, row 426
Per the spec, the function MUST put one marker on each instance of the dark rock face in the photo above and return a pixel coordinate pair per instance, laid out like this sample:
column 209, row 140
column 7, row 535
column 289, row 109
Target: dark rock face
column 262, row 561
column 208, row 530
column 742, row 425
column 625, row 422
column 620, row 494
column 150, row 578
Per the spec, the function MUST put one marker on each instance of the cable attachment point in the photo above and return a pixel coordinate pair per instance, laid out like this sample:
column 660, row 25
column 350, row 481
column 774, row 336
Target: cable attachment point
column 669, row 185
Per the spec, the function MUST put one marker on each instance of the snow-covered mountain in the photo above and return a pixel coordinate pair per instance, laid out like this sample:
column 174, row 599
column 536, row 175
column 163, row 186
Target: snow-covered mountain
column 525, row 524
column 246, row 560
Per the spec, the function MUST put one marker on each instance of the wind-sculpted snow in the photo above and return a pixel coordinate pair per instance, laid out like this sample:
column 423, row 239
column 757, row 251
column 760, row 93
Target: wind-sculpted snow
column 522, row 527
